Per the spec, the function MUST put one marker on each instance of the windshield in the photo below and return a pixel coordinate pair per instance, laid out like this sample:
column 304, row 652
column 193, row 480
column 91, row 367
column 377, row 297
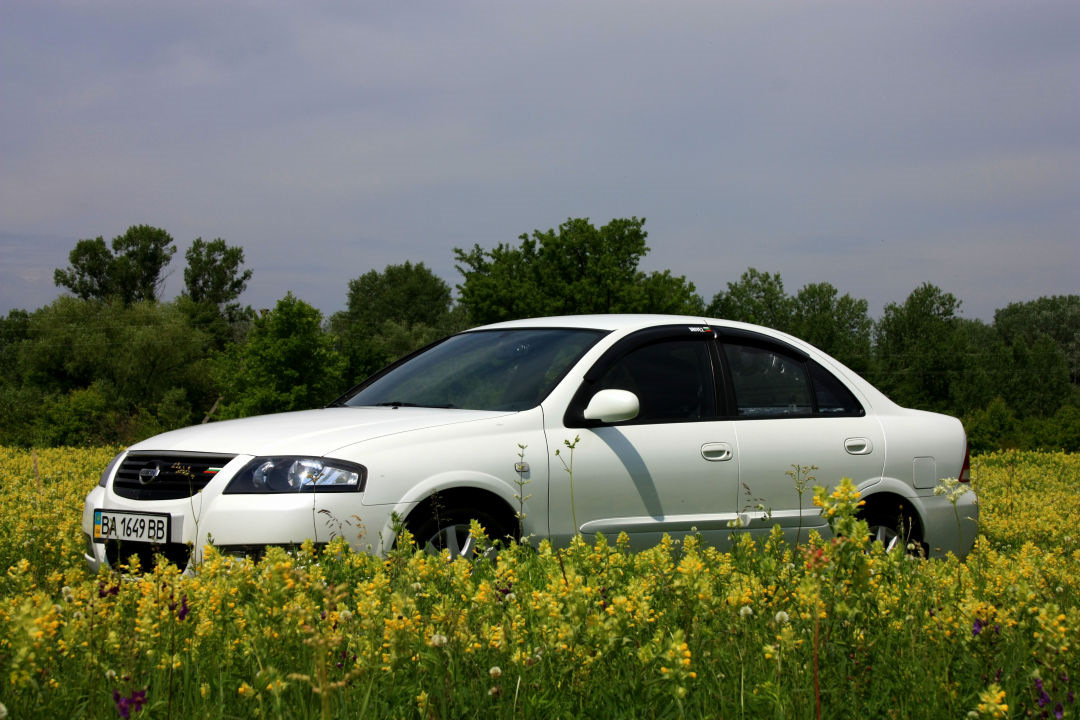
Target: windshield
column 481, row 370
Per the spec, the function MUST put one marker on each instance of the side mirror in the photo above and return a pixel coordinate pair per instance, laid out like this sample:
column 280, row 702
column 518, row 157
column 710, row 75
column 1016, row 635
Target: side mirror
column 612, row 406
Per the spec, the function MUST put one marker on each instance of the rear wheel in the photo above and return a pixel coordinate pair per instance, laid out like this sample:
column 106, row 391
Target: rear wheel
column 894, row 527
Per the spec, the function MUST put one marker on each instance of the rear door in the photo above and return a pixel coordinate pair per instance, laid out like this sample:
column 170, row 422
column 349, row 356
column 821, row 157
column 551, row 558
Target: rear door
column 790, row 413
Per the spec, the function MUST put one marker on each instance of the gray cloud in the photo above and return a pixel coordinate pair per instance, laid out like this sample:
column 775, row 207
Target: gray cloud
column 872, row 146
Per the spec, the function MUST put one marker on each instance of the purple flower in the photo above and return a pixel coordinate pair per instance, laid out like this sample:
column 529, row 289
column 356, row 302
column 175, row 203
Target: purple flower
column 1059, row 712
column 127, row 705
column 184, row 609
column 977, row 627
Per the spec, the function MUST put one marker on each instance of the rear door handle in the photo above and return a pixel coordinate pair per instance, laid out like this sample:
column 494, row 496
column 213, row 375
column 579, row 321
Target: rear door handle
column 858, row 446
column 717, row 452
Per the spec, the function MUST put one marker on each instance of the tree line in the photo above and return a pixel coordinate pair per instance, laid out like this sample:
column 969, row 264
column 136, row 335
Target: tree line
column 110, row 361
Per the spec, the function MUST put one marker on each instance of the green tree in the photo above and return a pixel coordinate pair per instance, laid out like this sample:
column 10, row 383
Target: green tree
column 756, row 297
column 213, row 274
column 578, row 268
column 100, row 371
column 213, row 279
column 132, row 272
column 390, row 314
column 916, row 348
column 838, row 324
column 90, row 275
column 287, row 363
column 13, row 330
column 1057, row 317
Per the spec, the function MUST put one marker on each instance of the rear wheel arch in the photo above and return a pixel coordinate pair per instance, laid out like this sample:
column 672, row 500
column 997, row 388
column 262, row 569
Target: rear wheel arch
column 893, row 519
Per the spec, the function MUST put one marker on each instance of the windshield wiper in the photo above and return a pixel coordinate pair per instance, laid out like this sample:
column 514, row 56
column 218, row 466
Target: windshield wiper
column 398, row 403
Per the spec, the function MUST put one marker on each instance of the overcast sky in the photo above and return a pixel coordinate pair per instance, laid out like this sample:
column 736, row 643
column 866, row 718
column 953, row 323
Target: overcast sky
column 875, row 146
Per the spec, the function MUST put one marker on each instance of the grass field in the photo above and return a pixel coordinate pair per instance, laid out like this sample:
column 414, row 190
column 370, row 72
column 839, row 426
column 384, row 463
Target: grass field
column 831, row 629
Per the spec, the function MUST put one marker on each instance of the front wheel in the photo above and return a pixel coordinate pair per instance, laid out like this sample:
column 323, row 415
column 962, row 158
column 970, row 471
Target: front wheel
column 449, row 529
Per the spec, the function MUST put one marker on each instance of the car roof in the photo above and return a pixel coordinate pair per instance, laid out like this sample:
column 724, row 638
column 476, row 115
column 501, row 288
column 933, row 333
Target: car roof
column 624, row 322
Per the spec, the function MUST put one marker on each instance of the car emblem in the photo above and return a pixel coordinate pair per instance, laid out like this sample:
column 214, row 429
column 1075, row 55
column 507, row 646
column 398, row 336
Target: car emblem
column 149, row 473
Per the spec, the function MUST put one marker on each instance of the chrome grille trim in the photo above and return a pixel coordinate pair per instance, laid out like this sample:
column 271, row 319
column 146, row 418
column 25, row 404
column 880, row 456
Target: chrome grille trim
column 166, row 476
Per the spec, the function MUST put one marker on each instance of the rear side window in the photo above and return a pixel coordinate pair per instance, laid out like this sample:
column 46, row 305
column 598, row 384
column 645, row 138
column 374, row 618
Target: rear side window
column 769, row 383
column 833, row 397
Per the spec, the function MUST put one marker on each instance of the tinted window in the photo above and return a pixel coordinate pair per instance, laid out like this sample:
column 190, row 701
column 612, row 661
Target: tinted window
column 833, row 397
column 768, row 383
column 673, row 380
column 483, row 370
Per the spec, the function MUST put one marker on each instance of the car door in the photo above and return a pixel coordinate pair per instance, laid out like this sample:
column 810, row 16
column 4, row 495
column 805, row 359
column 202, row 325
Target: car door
column 791, row 411
column 673, row 468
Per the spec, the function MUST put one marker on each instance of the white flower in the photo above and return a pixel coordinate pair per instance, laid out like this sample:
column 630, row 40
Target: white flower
column 3, row 711
column 781, row 617
column 345, row 615
column 438, row 640
column 746, row 611
column 495, row 672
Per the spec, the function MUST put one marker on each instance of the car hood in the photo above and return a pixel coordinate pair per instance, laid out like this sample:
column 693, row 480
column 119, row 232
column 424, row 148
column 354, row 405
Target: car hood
column 307, row 432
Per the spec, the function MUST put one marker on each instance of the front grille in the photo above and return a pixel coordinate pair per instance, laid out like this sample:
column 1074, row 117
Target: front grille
column 166, row 476
column 119, row 553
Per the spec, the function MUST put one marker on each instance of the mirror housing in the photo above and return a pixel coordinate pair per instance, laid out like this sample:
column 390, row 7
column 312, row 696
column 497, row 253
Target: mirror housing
column 610, row 406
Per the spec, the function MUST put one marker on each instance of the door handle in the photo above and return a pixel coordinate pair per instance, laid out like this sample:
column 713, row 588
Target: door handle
column 717, row 452
column 858, row 446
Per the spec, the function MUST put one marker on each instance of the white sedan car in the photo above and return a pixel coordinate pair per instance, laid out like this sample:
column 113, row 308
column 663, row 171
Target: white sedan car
column 678, row 425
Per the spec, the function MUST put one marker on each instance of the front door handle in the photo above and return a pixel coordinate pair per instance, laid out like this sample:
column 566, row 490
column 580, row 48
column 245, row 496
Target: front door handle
column 858, row 446
column 717, row 452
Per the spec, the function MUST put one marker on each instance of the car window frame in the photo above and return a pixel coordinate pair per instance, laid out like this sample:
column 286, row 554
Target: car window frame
column 738, row 336
column 574, row 416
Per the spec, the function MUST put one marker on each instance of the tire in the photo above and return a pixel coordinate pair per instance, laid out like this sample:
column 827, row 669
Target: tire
column 448, row 529
column 895, row 528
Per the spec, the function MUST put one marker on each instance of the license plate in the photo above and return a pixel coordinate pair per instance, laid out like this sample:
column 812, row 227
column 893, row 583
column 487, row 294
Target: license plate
column 131, row 526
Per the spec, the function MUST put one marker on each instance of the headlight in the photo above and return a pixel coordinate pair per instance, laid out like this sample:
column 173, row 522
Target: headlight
column 109, row 469
column 296, row 474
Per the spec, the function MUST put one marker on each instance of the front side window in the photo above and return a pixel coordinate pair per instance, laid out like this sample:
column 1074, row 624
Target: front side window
column 672, row 379
column 481, row 370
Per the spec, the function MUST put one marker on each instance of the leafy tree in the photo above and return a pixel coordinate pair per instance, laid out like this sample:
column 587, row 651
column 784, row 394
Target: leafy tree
column 130, row 273
column 390, row 314
column 13, row 330
column 90, row 276
column 108, row 365
column 838, row 324
column 917, row 345
column 213, row 275
column 757, row 298
column 213, row 280
column 1057, row 317
column 1039, row 378
column 288, row 363
column 578, row 268
column 983, row 369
